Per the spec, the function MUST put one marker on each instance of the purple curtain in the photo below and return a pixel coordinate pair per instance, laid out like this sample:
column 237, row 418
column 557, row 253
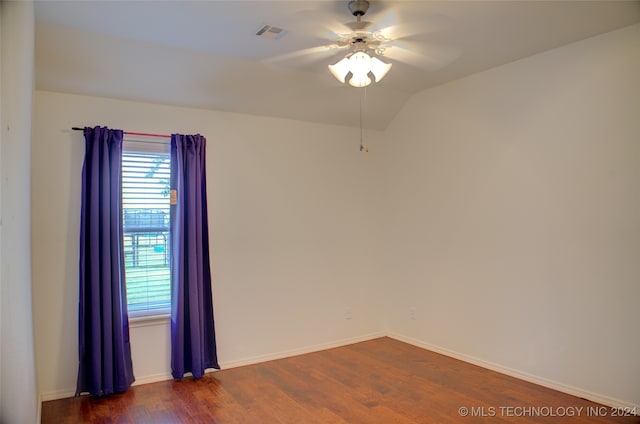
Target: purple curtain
column 104, row 348
column 193, row 339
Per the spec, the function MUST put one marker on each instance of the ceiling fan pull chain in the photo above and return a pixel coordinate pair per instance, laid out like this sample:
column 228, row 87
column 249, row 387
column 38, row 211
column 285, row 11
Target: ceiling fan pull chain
column 363, row 100
column 361, row 136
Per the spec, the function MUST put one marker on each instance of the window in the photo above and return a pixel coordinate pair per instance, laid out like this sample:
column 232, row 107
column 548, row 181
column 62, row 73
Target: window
column 145, row 210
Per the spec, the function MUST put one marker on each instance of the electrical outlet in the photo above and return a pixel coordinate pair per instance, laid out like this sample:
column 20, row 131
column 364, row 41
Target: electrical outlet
column 412, row 312
column 347, row 313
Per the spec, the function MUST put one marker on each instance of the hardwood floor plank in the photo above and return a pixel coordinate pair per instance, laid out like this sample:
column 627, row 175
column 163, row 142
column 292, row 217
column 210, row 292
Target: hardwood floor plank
column 377, row 381
column 402, row 389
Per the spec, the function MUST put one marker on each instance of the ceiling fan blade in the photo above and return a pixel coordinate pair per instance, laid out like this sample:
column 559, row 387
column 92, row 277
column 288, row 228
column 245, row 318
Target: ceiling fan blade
column 319, row 22
column 430, row 58
column 312, row 53
column 399, row 32
column 393, row 27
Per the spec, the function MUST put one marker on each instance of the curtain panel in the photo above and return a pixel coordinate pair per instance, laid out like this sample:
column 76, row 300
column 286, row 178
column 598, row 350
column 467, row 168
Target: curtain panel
column 193, row 340
column 104, row 348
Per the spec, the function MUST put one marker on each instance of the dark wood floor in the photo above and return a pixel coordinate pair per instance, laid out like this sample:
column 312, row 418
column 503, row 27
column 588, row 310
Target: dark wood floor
column 378, row 381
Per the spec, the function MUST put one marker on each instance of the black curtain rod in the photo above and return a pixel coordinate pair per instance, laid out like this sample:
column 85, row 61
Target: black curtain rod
column 132, row 133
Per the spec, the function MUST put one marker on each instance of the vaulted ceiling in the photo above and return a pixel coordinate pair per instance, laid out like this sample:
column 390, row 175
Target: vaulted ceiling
column 206, row 54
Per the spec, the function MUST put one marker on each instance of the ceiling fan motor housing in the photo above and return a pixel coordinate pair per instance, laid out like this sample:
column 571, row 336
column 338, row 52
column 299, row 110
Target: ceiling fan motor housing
column 359, row 43
column 358, row 7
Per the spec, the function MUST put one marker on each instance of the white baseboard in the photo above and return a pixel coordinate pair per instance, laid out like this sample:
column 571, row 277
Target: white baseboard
column 294, row 352
column 565, row 388
column 154, row 378
column 57, row 394
column 71, row 392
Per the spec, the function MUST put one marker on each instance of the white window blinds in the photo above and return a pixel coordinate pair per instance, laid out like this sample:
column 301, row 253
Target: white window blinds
column 145, row 209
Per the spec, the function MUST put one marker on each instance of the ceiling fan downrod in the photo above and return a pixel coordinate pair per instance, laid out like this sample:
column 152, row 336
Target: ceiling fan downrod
column 358, row 8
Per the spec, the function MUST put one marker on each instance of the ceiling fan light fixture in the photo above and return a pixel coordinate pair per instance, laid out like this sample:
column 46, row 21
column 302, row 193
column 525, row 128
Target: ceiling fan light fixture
column 379, row 69
column 359, row 80
column 360, row 63
column 340, row 69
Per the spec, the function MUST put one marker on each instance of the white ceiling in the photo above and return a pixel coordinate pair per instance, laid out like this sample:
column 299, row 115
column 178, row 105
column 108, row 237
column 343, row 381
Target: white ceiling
column 205, row 53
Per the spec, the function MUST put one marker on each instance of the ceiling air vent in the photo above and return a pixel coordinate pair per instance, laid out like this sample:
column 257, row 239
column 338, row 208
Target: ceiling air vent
column 271, row 32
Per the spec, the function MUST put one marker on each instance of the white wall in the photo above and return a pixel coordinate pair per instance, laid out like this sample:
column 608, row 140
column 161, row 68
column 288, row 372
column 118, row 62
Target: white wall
column 513, row 219
column 18, row 402
column 294, row 220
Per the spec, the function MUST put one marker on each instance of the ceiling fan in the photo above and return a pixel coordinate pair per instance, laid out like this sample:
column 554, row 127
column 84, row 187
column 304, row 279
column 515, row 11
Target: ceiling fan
column 369, row 49
column 359, row 63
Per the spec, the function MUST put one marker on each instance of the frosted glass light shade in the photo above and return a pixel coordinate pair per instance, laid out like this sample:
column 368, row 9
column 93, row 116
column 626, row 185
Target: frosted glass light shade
column 379, row 69
column 340, row 69
column 360, row 63
column 359, row 80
